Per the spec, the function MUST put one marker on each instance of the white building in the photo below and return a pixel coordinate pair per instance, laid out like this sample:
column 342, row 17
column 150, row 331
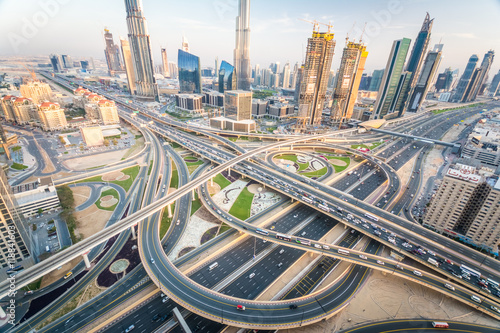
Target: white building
column 40, row 194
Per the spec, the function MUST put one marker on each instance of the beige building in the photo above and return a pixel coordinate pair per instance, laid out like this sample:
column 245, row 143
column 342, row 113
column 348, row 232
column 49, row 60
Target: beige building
column 467, row 206
column 92, row 136
column 238, row 105
column 52, row 116
column 38, row 91
column 19, row 109
column 8, row 107
column 108, row 112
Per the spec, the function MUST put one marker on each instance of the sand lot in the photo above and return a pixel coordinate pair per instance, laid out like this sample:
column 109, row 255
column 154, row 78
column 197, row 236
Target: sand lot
column 81, row 194
column 82, row 163
column 91, row 220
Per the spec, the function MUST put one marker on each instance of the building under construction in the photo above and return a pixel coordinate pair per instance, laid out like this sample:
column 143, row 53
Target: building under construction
column 348, row 79
column 314, row 81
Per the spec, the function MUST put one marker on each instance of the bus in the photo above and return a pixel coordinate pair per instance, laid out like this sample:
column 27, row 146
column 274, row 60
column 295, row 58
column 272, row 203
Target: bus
column 440, row 324
column 303, row 241
column 371, row 217
column 283, row 237
column 493, row 283
column 470, row 271
column 323, row 207
column 262, row 232
column 344, row 252
column 309, row 201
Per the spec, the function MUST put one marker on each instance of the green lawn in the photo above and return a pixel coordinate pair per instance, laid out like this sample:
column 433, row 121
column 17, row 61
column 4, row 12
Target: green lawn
column 150, row 167
column 376, row 144
column 16, row 148
column 132, row 172
column 293, row 158
column 222, row 181
column 111, row 192
column 33, row 285
column 359, row 146
column 90, row 180
column 18, row 166
column 317, row 173
column 224, row 228
column 195, row 205
column 165, row 221
column 192, row 166
column 242, row 205
column 174, row 181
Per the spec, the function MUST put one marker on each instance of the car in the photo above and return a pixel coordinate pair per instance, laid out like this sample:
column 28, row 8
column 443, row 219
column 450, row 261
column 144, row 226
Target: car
column 152, row 261
column 282, row 251
column 129, row 329
column 380, row 262
column 68, row 275
column 294, row 306
column 362, row 257
column 456, row 275
column 400, row 267
column 326, row 247
column 280, row 264
column 178, row 222
column 240, row 307
column 317, row 246
column 417, row 273
column 449, row 286
column 29, row 292
column 494, row 308
column 272, row 228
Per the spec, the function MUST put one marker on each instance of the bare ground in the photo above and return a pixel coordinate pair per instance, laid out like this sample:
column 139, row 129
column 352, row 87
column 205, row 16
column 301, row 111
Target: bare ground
column 91, row 220
column 56, row 274
column 92, row 161
column 115, row 175
column 81, row 194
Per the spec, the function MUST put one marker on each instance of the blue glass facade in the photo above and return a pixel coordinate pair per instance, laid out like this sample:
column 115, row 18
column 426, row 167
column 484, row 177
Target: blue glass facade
column 227, row 77
column 189, row 73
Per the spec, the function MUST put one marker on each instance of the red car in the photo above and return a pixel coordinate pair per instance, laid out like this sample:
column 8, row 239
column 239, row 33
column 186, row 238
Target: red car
column 240, row 307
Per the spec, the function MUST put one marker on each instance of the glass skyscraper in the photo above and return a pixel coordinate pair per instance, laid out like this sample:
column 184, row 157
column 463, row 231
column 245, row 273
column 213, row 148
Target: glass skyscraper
column 227, row 77
column 465, row 79
column 189, row 73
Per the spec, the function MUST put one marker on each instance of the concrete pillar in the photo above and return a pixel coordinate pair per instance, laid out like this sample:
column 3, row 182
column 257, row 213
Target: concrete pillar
column 86, row 260
column 194, row 195
column 212, row 181
column 229, row 172
column 169, row 207
column 132, row 229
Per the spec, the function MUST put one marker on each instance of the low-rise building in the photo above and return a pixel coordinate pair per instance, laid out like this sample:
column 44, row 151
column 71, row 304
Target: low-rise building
column 233, row 125
column 108, row 112
column 214, row 98
column 190, row 102
column 92, row 136
column 483, row 143
column 259, row 108
column 40, row 195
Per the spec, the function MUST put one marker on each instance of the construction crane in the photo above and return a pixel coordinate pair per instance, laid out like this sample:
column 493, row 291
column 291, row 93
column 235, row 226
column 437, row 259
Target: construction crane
column 32, row 72
column 316, row 25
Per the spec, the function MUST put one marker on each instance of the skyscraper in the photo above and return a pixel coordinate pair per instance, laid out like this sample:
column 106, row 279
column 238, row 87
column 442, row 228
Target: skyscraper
column 481, row 78
column 286, row 76
column 140, row 46
column 495, row 85
column 318, row 63
column 57, row 63
column 445, row 80
column 425, row 80
column 164, row 62
column 228, row 78
column 242, row 48
column 414, row 64
column 465, row 79
column 377, row 76
column 112, row 53
column 67, row 62
column 349, row 75
column 129, row 66
column 392, row 82
column 189, row 73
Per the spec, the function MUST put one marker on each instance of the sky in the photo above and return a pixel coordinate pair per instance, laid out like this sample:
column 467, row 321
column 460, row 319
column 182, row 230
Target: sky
column 41, row 27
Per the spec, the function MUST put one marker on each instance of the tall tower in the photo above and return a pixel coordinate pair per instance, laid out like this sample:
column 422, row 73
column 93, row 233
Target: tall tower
column 112, row 53
column 164, row 62
column 242, row 48
column 319, row 56
column 391, row 84
column 129, row 66
column 414, row 64
column 485, row 69
column 286, row 76
column 351, row 69
column 465, row 79
column 140, row 46
column 425, row 80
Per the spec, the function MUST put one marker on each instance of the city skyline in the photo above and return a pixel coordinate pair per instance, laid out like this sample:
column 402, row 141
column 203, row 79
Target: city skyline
column 210, row 29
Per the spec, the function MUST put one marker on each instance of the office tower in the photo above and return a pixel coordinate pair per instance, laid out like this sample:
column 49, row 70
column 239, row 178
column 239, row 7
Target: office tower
column 425, row 80
column 185, row 44
column 228, row 78
column 51, row 116
column 480, row 78
column 128, row 61
column 473, row 85
column 466, row 206
column 85, row 65
column 67, row 62
column 377, row 77
column 286, row 76
column 57, row 63
column 112, row 53
column 108, row 113
column 390, row 85
column 349, row 75
column 15, row 241
column 238, row 105
column 256, row 71
column 164, row 62
column 414, row 64
column 92, row 65
column 140, row 47
column 216, row 66
column 38, row 91
column 293, row 83
column 318, row 63
column 242, row 48
column 494, row 88
column 364, row 84
column 465, row 79
column 174, row 72
column 298, row 85
column 275, row 81
column 445, row 80
column 189, row 73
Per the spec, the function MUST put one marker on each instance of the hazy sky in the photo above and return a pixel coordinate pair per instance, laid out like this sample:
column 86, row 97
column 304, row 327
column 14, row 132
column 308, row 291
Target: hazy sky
column 74, row 27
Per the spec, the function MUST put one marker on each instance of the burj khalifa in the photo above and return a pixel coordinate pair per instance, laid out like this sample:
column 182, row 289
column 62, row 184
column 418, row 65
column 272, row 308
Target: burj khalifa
column 242, row 48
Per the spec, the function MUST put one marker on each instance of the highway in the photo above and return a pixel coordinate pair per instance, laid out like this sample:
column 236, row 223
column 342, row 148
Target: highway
column 419, row 325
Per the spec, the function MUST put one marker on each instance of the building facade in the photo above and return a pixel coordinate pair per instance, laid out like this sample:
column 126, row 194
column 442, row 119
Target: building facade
column 40, row 194
column 164, row 62
column 238, row 105
column 112, row 53
column 108, row 112
column 465, row 78
column 51, row 116
column 190, row 102
column 128, row 63
column 424, row 81
column 36, row 90
column 242, row 48
column 228, row 78
column 189, row 73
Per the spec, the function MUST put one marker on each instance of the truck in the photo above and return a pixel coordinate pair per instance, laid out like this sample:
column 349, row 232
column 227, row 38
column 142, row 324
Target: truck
column 433, row 262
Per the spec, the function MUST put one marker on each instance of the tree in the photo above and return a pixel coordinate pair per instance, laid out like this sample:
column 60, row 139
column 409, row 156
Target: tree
column 40, row 211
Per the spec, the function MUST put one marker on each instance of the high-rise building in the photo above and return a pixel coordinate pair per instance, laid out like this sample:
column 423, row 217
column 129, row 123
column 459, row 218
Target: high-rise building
column 466, row 206
column 238, row 105
column 140, row 47
column 414, row 64
column 174, row 71
column 8, row 107
column 112, row 53
column 128, row 61
column 185, row 44
column 494, row 88
column 189, row 73
column 425, row 80
column 286, row 76
column 479, row 77
column 377, row 76
column 445, row 80
column 25, row 110
column 298, row 85
column 164, row 62
column 57, row 63
column 228, row 78
column 242, row 48
column 108, row 113
column 364, row 84
column 216, row 66
column 15, row 241
column 67, row 62
column 36, row 90
column 349, row 75
column 85, row 65
column 51, row 116
column 465, row 79
column 318, row 63
column 390, row 87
